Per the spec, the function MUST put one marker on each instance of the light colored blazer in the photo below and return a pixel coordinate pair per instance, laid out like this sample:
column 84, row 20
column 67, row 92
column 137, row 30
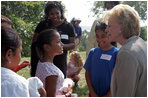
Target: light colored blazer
column 129, row 77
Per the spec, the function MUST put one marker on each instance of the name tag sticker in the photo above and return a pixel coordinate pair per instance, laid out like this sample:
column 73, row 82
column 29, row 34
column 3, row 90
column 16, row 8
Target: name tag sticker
column 64, row 36
column 106, row 57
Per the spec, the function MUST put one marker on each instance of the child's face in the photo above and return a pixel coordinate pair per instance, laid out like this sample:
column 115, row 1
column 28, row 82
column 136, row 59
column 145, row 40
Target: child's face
column 55, row 15
column 57, row 45
column 102, row 39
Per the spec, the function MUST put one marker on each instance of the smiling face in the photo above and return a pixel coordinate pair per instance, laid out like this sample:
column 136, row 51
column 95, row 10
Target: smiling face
column 56, row 46
column 114, row 30
column 102, row 39
column 55, row 15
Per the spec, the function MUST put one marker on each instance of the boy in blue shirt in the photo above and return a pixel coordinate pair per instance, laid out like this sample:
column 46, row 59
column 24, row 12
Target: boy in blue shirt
column 100, row 63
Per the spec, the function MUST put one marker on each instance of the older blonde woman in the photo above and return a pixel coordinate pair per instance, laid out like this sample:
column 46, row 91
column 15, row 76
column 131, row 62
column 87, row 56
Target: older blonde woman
column 129, row 77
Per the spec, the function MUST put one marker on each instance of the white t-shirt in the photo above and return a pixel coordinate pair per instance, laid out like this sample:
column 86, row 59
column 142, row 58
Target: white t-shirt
column 45, row 69
column 12, row 84
column 34, row 84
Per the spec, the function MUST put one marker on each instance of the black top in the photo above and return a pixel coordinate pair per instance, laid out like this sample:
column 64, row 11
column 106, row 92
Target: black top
column 66, row 31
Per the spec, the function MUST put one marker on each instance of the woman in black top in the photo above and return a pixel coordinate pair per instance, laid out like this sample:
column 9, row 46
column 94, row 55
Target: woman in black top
column 54, row 19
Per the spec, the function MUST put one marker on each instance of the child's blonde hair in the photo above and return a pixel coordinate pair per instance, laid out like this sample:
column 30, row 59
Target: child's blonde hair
column 78, row 60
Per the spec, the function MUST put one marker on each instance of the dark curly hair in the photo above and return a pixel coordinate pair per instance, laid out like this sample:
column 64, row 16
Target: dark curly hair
column 53, row 4
column 100, row 26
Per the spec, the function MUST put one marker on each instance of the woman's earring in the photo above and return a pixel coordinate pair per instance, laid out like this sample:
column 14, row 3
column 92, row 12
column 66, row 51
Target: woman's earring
column 9, row 62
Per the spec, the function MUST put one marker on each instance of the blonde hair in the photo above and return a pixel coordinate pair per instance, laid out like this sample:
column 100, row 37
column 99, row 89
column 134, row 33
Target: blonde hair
column 78, row 60
column 128, row 17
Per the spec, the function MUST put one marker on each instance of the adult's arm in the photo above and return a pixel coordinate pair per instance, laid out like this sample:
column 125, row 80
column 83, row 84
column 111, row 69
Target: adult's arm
column 79, row 41
column 71, row 44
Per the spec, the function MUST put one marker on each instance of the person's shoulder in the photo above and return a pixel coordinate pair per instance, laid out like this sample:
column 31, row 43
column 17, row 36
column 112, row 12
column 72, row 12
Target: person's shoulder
column 44, row 64
column 43, row 21
column 14, row 79
column 94, row 49
column 115, row 48
column 10, row 75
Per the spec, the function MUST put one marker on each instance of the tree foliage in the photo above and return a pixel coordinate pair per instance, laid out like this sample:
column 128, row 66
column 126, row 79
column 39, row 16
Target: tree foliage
column 143, row 33
column 84, row 37
column 25, row 15
column 140, row 7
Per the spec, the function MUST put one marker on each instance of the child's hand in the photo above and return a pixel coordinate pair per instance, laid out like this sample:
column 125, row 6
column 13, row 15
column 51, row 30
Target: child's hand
column 23, row 65
column 26, row 63
column 93, row 94
column 69, row 91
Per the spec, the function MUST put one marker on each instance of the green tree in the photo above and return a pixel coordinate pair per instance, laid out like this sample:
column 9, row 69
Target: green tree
column 140, row 6
column 143, row 33
column 84, row 37
column 25, row 15
column 98, row 8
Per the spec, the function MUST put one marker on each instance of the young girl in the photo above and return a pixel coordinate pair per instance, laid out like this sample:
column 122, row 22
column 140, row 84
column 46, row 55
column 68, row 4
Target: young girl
column 54, row 18
column 100, row 63
column 6, row 22
column 74, row 67
column 12, row 84
column 48, row 46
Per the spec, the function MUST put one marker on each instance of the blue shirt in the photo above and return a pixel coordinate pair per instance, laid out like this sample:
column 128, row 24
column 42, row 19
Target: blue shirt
column 100, row 64
column 78, row 31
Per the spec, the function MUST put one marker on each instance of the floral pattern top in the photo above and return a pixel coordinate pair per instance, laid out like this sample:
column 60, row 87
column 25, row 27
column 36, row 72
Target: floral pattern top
column 45, row 69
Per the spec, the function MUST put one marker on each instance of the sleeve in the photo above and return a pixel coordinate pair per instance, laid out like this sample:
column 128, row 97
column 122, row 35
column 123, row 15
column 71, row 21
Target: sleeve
column 35, row 80
column 125, row 73
column 45, row 70
column 34, row 84
column 88, row 61
column 71, row 30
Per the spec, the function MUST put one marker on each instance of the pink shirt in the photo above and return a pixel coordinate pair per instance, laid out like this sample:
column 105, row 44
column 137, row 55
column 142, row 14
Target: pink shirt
column 45, row 69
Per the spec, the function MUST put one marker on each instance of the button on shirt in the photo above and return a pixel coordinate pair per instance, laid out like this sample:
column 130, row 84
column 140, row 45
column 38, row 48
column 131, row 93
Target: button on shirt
column 12, row 84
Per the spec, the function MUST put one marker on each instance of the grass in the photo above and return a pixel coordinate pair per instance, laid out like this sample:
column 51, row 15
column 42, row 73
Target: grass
column 82, row 91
